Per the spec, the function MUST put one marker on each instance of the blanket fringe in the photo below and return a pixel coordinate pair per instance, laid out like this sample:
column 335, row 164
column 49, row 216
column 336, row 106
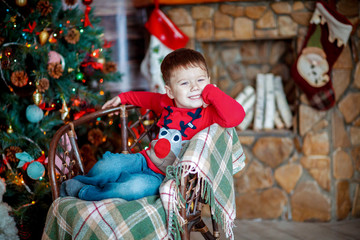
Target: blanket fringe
column 208, row 195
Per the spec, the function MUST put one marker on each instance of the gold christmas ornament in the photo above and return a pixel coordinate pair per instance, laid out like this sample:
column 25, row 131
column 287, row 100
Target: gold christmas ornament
column 21, row 3
column 37, row 97
column 10, row 130
column 43, row 37
column 70, row 70
column 64, row 110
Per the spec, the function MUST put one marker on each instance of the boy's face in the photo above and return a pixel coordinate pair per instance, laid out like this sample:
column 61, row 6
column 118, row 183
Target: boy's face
column 186, row 86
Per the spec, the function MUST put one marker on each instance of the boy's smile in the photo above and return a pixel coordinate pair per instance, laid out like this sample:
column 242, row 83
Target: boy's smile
column 186, row 86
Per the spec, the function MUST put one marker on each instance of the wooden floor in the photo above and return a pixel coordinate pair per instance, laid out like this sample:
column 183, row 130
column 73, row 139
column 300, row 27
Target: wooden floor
column 283, row 230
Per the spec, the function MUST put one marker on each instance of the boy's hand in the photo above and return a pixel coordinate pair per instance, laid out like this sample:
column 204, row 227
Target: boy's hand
column 114, row 102
column 205, row 105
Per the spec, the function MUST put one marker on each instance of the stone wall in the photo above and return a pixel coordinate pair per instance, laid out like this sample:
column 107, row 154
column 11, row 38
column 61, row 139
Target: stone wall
column 307, row 173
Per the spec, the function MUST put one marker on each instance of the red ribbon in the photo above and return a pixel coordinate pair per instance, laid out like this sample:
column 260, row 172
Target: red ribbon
column 107, row 44
column 87, row 20
column 43, row 107
column 41, row 160
column 82, row 113
column 94, row 65
column 31, row 28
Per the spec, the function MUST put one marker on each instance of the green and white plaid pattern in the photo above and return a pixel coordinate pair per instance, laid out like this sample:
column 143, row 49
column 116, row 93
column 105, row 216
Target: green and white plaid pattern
column 214, row 154
column 71, row 218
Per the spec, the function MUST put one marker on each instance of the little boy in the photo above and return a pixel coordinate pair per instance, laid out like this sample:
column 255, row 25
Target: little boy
column 190, row 104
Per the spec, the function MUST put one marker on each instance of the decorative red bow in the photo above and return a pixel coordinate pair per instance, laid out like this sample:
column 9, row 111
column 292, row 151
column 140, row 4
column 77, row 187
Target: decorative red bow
column 107, row 44
column 41, row 160
column 31, row 28
column 94, row 65
column 43, row 107
column 87, row 19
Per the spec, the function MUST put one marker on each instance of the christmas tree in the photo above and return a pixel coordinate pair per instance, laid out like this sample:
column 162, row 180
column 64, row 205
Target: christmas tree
column 54, row 61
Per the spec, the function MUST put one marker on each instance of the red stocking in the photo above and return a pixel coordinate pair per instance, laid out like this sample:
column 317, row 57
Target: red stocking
column 312, row 69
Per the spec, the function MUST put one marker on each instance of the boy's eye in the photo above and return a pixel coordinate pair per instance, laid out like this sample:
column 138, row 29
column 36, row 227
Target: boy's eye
column 201, row 80
column 183, row 83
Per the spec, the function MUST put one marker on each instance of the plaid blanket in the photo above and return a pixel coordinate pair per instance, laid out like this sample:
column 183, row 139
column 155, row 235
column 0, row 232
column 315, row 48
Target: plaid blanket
column 72, row 218
column 214, row 154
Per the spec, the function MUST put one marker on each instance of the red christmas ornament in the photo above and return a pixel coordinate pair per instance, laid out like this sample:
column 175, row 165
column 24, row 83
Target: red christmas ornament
column 87, row 2
column 87, row 11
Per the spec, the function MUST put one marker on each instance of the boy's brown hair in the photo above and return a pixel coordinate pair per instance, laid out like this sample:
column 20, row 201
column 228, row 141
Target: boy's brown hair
column 182, row 58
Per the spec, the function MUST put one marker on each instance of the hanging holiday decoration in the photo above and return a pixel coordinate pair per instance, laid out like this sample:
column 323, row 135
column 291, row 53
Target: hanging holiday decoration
column 73, row 36
column 69, row 4
column 31, row 27
column 87, row 11
column 165, row 37
column 43, row 37
column 34, row 168
column 42, row 85
column 10, row 130
column 34, row 114
column 44, row 7
column 64, row 110
column 19, row 78
column 328, row 32
column 95, row 136
column 55, row 70
column 21, row 3
column 109, row 67
column 10, row 153
column 56, row 59
column 90, row 64
column 37, row 97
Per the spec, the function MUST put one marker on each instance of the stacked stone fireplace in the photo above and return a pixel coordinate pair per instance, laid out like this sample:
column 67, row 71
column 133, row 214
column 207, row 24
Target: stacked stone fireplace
column 309, row 172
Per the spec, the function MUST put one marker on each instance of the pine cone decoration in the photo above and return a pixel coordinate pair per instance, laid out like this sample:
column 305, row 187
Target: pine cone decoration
column 55, row 70
column 19, row 78
column 43, row 85
column 44, row 7
column 88, row 156
column 70, row 2
column 73, row 36
column 95, row 136
column 109, row 67
column 10, row 153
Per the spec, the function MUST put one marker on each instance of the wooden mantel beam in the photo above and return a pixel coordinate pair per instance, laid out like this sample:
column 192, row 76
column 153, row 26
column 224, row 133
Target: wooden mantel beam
column 146, row 3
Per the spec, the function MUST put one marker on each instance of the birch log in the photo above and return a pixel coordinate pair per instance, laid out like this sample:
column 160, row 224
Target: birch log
column 260, row 102
column 247, row 99
column 281, row 102
column 270, row 102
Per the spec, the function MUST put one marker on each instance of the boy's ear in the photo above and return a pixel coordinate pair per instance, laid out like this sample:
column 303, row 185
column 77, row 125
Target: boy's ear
column 169, row 92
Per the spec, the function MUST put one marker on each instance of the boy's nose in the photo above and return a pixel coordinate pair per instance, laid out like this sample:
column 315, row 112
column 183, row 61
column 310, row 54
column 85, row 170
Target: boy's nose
column 194, row 86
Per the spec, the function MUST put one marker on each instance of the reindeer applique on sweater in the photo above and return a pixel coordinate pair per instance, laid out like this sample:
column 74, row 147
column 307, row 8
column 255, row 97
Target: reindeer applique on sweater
column 164, row 150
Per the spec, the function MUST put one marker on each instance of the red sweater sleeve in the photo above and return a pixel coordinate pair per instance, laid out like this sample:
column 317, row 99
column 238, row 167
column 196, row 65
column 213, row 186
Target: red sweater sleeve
column 228, row 112
column 147, row 100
